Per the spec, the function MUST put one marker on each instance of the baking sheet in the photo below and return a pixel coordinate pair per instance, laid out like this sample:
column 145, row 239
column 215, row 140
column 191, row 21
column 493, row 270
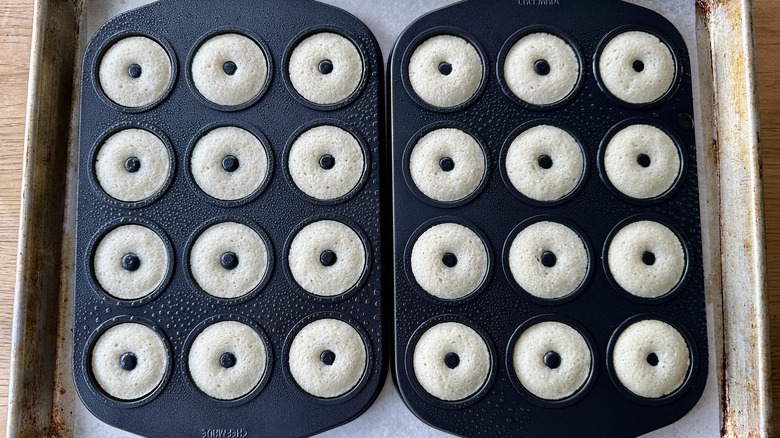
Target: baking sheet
column 388, row 416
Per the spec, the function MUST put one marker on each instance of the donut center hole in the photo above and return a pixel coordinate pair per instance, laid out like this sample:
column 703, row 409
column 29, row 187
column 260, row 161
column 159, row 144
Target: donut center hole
column 445, row 68
column 131, row 262
column 452, row 360
column 229, row 260
column 549, row 259
column 652, row 359
column 648, row 258
column 134, row 71
column 230, row 163
column 325, row 67
column 542, row 67
column 638, row 66
column 643, row 160
column 450, row 260
column 327, row 162
column 552, row 360
column 328, row 258
column 132, row 164
column 229, row 68
column 447, row 164
column 128, row 361
column 328, row 357
column 227, row 360
column 545, row 162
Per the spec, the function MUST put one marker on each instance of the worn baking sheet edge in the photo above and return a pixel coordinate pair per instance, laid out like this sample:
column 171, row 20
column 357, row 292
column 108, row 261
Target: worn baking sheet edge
column 746, row 379
column 36, row 389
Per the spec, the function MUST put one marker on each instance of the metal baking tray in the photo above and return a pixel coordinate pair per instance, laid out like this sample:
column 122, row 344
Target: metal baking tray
column 42, row 400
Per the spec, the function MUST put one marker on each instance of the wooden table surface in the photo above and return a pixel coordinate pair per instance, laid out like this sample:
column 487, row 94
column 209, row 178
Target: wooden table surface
column 15, row 32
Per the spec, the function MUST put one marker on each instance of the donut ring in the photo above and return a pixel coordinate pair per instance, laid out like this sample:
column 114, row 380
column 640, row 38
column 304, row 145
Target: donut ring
column 328, row 358
column 637, row 67
column 451, row 361
column 327, row 258
column 227, row 360
column 229, row 163
column 229, row 260
column 447, row 165
column 552, row 360
column 449, row 261
column 651, row 359
column 135, row 72
column 445, row 71
column 326, row 68
column 646, row 259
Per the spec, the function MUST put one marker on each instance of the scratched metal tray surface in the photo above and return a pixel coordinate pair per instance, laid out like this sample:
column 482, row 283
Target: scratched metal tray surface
column 42, row 400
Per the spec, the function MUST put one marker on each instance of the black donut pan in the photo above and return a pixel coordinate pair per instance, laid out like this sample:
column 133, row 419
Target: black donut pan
column 177, row 311
column 499, row 309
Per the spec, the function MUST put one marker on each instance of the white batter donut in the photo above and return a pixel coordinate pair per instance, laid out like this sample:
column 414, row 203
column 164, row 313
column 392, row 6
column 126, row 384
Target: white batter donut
column 130, row 262
column 637, row 67
column 541, row 69
column 451, row 361
column 229, row 69
column 135, row 72
column 642, row 162
column 445, row 71
column 447, row 165
column 229, row 163
column 449, row 261
column 328, row 358
column 552, row 360
column 227, row 360
column 229, row 260
column 651, row 359
column 326, row 162
column 548, row 260
column 129, row 361
column 327, row 258
column 326, row 68
column 646, row 259
column 545, row 163
column 132, row 165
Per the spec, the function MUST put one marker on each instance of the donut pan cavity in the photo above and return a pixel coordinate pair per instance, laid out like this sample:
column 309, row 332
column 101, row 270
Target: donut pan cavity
column 500, row 310
column 179, row 309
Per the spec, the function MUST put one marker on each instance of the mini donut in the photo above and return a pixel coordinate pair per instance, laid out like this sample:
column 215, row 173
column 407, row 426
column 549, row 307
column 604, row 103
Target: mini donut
column 545, row 163
column 326, row 68
column 451, row 361
column 447, row 165
column 229, row 260
column 445, row 71
column 326, row 162
column 642, row 162
column 637, row 67
column 227, row 360
column 552, row 360
column 327, row 258
column 449, row 261
column 229, row 163
column 541, row 69
column 129, row 361
column 651, row 359
column 130, row 262
column 132, row 165
column 646, row 259
column 548, row 260
column 229, row 69
column 328, row 358
column 135, row 72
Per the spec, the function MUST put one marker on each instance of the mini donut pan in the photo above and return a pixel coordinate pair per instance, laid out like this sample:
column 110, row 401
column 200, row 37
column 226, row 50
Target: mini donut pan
column 498, row 309
column 278, row 407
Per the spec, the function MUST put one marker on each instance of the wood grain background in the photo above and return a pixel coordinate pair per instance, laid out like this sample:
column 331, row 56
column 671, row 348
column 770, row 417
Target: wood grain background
column 16, row 18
